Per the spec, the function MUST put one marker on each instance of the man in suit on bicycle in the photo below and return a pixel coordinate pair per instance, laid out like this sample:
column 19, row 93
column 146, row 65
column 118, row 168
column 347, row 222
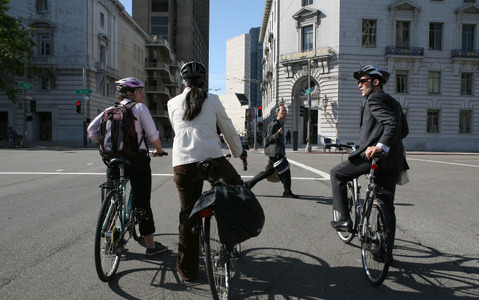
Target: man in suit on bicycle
column 383, row 126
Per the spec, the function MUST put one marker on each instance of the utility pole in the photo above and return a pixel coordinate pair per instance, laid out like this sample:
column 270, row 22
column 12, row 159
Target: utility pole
column 308, row 138
column 25, row 103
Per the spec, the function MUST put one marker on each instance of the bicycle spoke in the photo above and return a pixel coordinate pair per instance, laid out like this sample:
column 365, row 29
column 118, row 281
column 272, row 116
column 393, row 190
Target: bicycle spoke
column 375, row 251
column 217, row 261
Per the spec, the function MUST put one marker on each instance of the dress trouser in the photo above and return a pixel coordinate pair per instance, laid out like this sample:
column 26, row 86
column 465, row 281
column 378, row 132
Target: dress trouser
column 269, row 170
column 347, row 171
column 139, row 173
column 189, row 182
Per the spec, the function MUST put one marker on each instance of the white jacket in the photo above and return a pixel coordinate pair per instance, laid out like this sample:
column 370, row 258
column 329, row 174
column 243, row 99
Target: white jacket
column 198, row 139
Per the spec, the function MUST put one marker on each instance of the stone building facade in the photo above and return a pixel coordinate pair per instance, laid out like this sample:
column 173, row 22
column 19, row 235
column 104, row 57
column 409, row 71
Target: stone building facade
column 311, row 49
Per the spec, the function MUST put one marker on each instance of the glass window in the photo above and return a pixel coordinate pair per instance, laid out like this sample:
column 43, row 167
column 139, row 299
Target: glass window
column 44, row 44
column 466, row 83
column 159, row 26
column 465, row 121
column 401, row 81
column 369, row 33
column 159, row 5
column 402, row 34
column 307, row 2
column 469, row 1
column 434, row 82
column 42, row 5
column 307, row 37
column 432, row 120
column 45, row 83
column 468, row 37
column 102, row 19
column 435, row 36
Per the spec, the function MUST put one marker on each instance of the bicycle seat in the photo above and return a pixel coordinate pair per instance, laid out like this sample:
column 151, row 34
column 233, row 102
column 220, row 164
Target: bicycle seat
column 207, row 164
column 119, row 161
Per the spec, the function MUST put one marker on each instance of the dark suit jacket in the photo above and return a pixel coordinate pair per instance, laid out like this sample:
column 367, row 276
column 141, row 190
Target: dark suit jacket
column 273, row 140
column 383, row 122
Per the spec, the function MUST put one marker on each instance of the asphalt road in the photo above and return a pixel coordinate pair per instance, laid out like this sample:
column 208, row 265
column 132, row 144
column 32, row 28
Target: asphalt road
column 50, row 201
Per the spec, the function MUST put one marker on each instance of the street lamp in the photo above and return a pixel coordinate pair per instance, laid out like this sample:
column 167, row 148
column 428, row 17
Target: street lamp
column 325, row 104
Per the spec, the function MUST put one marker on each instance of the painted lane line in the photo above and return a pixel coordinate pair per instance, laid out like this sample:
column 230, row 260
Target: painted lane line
column 443, row 162
column 324, row 175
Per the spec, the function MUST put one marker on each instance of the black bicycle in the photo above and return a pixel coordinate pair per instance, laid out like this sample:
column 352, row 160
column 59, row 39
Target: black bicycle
column 372, row 222
column 219, row 259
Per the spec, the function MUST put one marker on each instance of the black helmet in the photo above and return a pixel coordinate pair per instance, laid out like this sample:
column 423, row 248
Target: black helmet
column 373, row 71
column 193, row 69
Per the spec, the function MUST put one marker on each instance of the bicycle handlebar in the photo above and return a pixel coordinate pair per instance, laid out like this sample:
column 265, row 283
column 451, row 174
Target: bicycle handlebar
column 158, row 154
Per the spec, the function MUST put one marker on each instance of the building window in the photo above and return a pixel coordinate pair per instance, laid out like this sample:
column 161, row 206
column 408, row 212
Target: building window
column 307, row 2
column 159, row 5
column 434, row 82
column 45, row 83
column 432, row 120
column 435, row 36
column 369, row 33
column 102, row 19
column 465, row 121
column 307, row 37
column 468, row 37
column 469, row 1
column 42, row 5
column 401, row 81
column 102, row 53
column 402, row 34
column 44, row 44
column 159, row 26
column 466, row 84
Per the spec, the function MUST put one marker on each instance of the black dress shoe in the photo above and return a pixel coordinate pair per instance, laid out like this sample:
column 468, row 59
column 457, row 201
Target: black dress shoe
column 289, row 195
column 342, row 225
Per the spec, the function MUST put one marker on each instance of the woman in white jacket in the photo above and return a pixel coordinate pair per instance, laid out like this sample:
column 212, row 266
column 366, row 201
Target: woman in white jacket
column 194, row 116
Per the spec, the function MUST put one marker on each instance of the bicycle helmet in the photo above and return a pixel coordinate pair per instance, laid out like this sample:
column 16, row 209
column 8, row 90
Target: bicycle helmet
column 193, row 69
column 129, row 83
column 373, row 71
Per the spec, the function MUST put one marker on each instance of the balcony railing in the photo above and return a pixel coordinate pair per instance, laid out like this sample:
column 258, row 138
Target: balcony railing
column 410, row 51
column 459, row 53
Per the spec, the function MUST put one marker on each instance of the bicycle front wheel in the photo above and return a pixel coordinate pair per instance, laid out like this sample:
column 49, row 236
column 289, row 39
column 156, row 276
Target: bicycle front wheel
column 108, row 238
column 376, row 246
column 347, row 236
column 217, row 261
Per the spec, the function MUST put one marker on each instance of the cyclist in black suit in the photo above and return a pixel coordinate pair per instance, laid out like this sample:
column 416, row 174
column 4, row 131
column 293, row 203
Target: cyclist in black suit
column 383, row 127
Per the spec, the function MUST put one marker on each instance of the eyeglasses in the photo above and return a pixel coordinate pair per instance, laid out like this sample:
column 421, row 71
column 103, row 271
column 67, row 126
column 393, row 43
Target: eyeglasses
column 363, row 80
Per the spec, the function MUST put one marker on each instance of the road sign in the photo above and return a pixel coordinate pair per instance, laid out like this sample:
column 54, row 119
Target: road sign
column 83, row 91
column 308, row 91
column 26, row 86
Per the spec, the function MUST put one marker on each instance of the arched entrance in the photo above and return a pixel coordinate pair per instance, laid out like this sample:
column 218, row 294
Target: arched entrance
column 300, row 109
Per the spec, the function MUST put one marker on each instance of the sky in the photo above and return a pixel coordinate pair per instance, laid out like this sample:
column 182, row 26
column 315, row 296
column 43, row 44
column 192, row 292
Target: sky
column 228, row 19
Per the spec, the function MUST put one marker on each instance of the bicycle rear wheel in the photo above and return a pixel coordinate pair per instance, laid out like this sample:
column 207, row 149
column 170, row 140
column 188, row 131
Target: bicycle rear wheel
column 217, row 261
column 108, row 245
column 347, row 236
column 376, row 246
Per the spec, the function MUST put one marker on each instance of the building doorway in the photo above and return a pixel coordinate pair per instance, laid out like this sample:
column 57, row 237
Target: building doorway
column 45, row 125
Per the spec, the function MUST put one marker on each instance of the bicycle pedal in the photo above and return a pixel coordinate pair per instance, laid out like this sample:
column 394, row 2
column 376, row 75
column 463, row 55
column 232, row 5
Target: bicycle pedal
column 140, row 213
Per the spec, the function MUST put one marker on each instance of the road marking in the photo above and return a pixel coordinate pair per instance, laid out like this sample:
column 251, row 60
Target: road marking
column 443, row 162
column 324, row 175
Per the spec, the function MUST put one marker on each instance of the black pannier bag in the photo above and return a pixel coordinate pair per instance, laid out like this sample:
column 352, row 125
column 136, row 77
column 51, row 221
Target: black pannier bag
column 238, row 213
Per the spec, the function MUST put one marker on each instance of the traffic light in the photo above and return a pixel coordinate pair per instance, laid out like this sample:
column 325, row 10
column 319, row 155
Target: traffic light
column 260, row 125
column 33, row 105
column 260, row 111
column 78, row 107
column 301, row 110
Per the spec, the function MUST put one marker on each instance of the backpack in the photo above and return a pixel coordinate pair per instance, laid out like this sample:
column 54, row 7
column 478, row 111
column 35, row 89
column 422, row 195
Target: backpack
column 238, row 213
column 118, row 137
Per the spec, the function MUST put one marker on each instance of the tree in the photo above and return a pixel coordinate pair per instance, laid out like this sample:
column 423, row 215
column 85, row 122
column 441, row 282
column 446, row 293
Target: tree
column 16, row 51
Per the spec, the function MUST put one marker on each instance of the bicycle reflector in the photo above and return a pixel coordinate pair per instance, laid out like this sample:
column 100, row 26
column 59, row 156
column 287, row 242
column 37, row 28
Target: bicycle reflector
column 374, row 167
column 207, row 212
